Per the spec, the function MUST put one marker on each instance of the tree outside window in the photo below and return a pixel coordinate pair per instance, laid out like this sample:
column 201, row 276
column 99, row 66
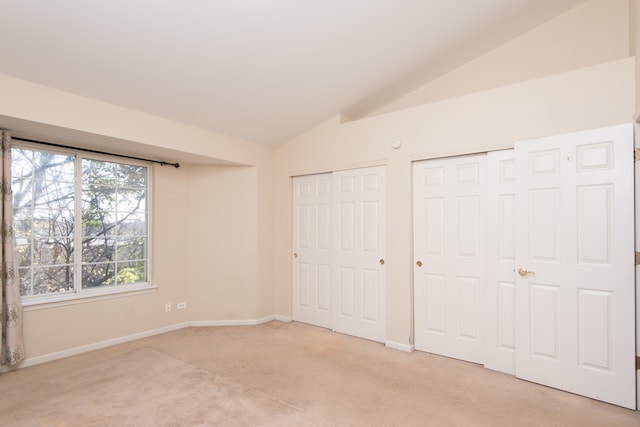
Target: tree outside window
column 80, row 223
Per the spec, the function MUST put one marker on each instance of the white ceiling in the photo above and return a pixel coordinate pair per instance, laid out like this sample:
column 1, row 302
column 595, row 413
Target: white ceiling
column 261, row 70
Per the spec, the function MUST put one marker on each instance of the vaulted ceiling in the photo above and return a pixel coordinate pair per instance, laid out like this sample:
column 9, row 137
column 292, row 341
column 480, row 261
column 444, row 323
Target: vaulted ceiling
column 260, row 70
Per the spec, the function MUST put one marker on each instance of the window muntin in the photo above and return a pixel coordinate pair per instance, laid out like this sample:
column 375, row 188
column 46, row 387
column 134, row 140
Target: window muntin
column 66, row 201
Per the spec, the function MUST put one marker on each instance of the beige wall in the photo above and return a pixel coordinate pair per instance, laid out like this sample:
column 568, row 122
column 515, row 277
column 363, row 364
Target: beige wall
column 588, row 98
column 213, row 225
column 593, row 32
column 222, row 264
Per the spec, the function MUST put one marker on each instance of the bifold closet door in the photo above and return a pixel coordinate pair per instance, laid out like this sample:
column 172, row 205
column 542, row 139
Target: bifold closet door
column 311, row 281
column 449, row 224
column 338, row 251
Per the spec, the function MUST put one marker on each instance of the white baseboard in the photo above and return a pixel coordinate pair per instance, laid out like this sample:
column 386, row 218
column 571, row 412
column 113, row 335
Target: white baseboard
column 98, row 345
column 246, row 322
column 31, row 361
column 398, row 346
column 204, row 323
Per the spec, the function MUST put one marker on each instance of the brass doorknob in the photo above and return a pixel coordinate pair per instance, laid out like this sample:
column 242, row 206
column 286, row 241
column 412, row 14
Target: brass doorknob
column 523, row 272
column 381, row 261
column 295, row 254
column 419, row 263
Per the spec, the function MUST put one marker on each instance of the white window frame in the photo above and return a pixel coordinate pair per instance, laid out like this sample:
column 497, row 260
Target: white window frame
column 79, row 295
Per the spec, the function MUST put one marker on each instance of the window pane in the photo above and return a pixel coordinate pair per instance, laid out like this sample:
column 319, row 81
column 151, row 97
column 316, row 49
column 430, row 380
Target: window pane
column 22, row 192
column 53, row 167
column 114, row 223
column 47, row 280
column 132, row 176
column 22, row 228
column 52, row 251
column 98, row 172
column 43, row 196
column 132, row 272
column 51, row 223
column 98, row 249
column 23, row 253
column 21, row 162
column 95, row 275
column 53, row 194
column 131, row 225
column 98, row 198
column 98, row 223
column 24, row 275
column 132, row 249
column 131, row 200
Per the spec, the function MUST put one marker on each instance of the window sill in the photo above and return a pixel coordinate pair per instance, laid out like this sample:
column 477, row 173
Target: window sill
column 60, row 300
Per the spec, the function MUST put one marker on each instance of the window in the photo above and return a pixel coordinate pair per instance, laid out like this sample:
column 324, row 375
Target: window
column 81, row 224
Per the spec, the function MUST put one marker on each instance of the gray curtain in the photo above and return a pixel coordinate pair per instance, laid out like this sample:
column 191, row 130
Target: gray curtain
column 11, row 340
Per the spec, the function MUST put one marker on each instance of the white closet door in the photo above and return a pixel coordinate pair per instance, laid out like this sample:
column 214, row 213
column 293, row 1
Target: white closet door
column 449, row 224
column 575, row 302
column 500, row 291
column 312, row 249
column 359, row 307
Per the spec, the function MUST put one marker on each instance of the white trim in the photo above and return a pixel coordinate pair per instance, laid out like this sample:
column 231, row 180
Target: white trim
column 60, row 300
column 245, row 322
column 120, row 340
column 96, row 346
column 200, row 323
column 408, row 348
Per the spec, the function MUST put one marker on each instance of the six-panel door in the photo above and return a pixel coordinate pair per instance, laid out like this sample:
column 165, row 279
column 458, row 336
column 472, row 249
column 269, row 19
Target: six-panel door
column 312, row 210
column 359, row 274
column 449, row 217
column 338, row 251
column 575, row 294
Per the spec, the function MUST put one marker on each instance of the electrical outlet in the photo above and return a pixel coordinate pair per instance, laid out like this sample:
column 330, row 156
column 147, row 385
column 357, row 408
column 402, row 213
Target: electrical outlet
column 167, row 307
column 181, row 305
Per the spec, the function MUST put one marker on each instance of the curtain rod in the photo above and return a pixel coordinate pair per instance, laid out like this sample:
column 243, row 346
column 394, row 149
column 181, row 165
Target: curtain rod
column 88, row 150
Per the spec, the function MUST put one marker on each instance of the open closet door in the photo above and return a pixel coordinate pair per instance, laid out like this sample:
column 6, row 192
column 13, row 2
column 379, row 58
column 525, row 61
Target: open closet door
column 575, row 298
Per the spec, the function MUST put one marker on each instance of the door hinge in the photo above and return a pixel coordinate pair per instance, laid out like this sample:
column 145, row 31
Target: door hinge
column 637, row 362
column 636, row 155
column 637, row 258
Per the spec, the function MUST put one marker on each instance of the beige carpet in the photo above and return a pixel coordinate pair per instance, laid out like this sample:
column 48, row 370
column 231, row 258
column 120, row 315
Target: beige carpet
column 280, row 374
column 142, row 388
